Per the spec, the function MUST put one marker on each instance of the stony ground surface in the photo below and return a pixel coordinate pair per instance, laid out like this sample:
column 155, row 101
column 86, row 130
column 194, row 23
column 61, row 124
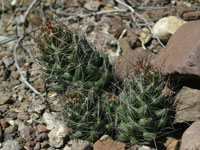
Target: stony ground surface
column 28, row 122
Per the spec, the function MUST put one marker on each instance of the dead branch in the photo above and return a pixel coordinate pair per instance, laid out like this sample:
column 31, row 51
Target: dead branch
column 20, row 71
column 17, row 46
column 133, row 14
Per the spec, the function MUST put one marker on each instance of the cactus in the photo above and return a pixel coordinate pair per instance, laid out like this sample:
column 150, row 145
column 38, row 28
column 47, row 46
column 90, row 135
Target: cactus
column 143, row 109
column 86, row 116
column 74, row 69
column 69, row 59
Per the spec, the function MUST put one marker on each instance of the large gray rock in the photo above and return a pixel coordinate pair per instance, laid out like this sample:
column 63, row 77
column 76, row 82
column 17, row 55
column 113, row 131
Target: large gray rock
column 187, row 105
column 182, row 53
column 190, row 139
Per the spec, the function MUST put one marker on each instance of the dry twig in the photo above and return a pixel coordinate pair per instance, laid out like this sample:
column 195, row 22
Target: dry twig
column 118, row 45
column 133, row 14
column 17, row 46
column 20, row 71
column 74, row 15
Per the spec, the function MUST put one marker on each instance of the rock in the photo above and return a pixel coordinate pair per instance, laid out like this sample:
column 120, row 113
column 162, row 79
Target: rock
column 187, row 105
column 38, row 107
column 102, row 40
column 4, row 108
column 126, row 64
column 171, row 143
column 3, row 123
column 51, row 148
column 124, row 45
column 4, row 99
column 190, row 139
column 132, row 37
column 12, row 122
column 167, row 26
column 37, row 146
column 35, row 18
column 188, row 13
column 26, row 132
column 192, row 15
column 15, row 75
column 7, row 61
column 57, row 136
column 50, row 121
column 105, row 137
column 66, row 148
column 41, row 137
column 44, row 145
column 15, row 82
column 10, row 129
column 181, row 55
column 34, row 116
column 12, row 114
column 23, row 116
column 100, row 35
column 41, row 128
column 116, row 25
column 39, row 85
column 7, row 137
column 109, row 145
column 79, row 145
column 91, row 6
column 155, row 14
column 11, row 145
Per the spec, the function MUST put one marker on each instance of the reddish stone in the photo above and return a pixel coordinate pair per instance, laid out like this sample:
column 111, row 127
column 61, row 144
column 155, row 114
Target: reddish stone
column 15, row 75
column 126, row 64
column 182, row 53
column 109, row 145
column 41, row 128
column 193, row 15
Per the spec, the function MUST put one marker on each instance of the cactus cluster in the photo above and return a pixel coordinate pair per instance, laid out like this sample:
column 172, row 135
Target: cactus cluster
column 143, row 111
column 70, row 59
column 134, row 113
column 83, row 75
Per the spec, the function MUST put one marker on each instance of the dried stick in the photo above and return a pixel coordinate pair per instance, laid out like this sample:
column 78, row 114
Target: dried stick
column 29, row 9
column 20, row 71
column 132, row 12
column 74, row 15
column 98, row 13
column 118, row 45
column 142, row 18
column 17, row 46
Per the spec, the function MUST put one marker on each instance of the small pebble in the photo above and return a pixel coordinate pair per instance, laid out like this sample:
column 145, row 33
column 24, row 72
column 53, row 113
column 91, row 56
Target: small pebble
column 41, row 128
